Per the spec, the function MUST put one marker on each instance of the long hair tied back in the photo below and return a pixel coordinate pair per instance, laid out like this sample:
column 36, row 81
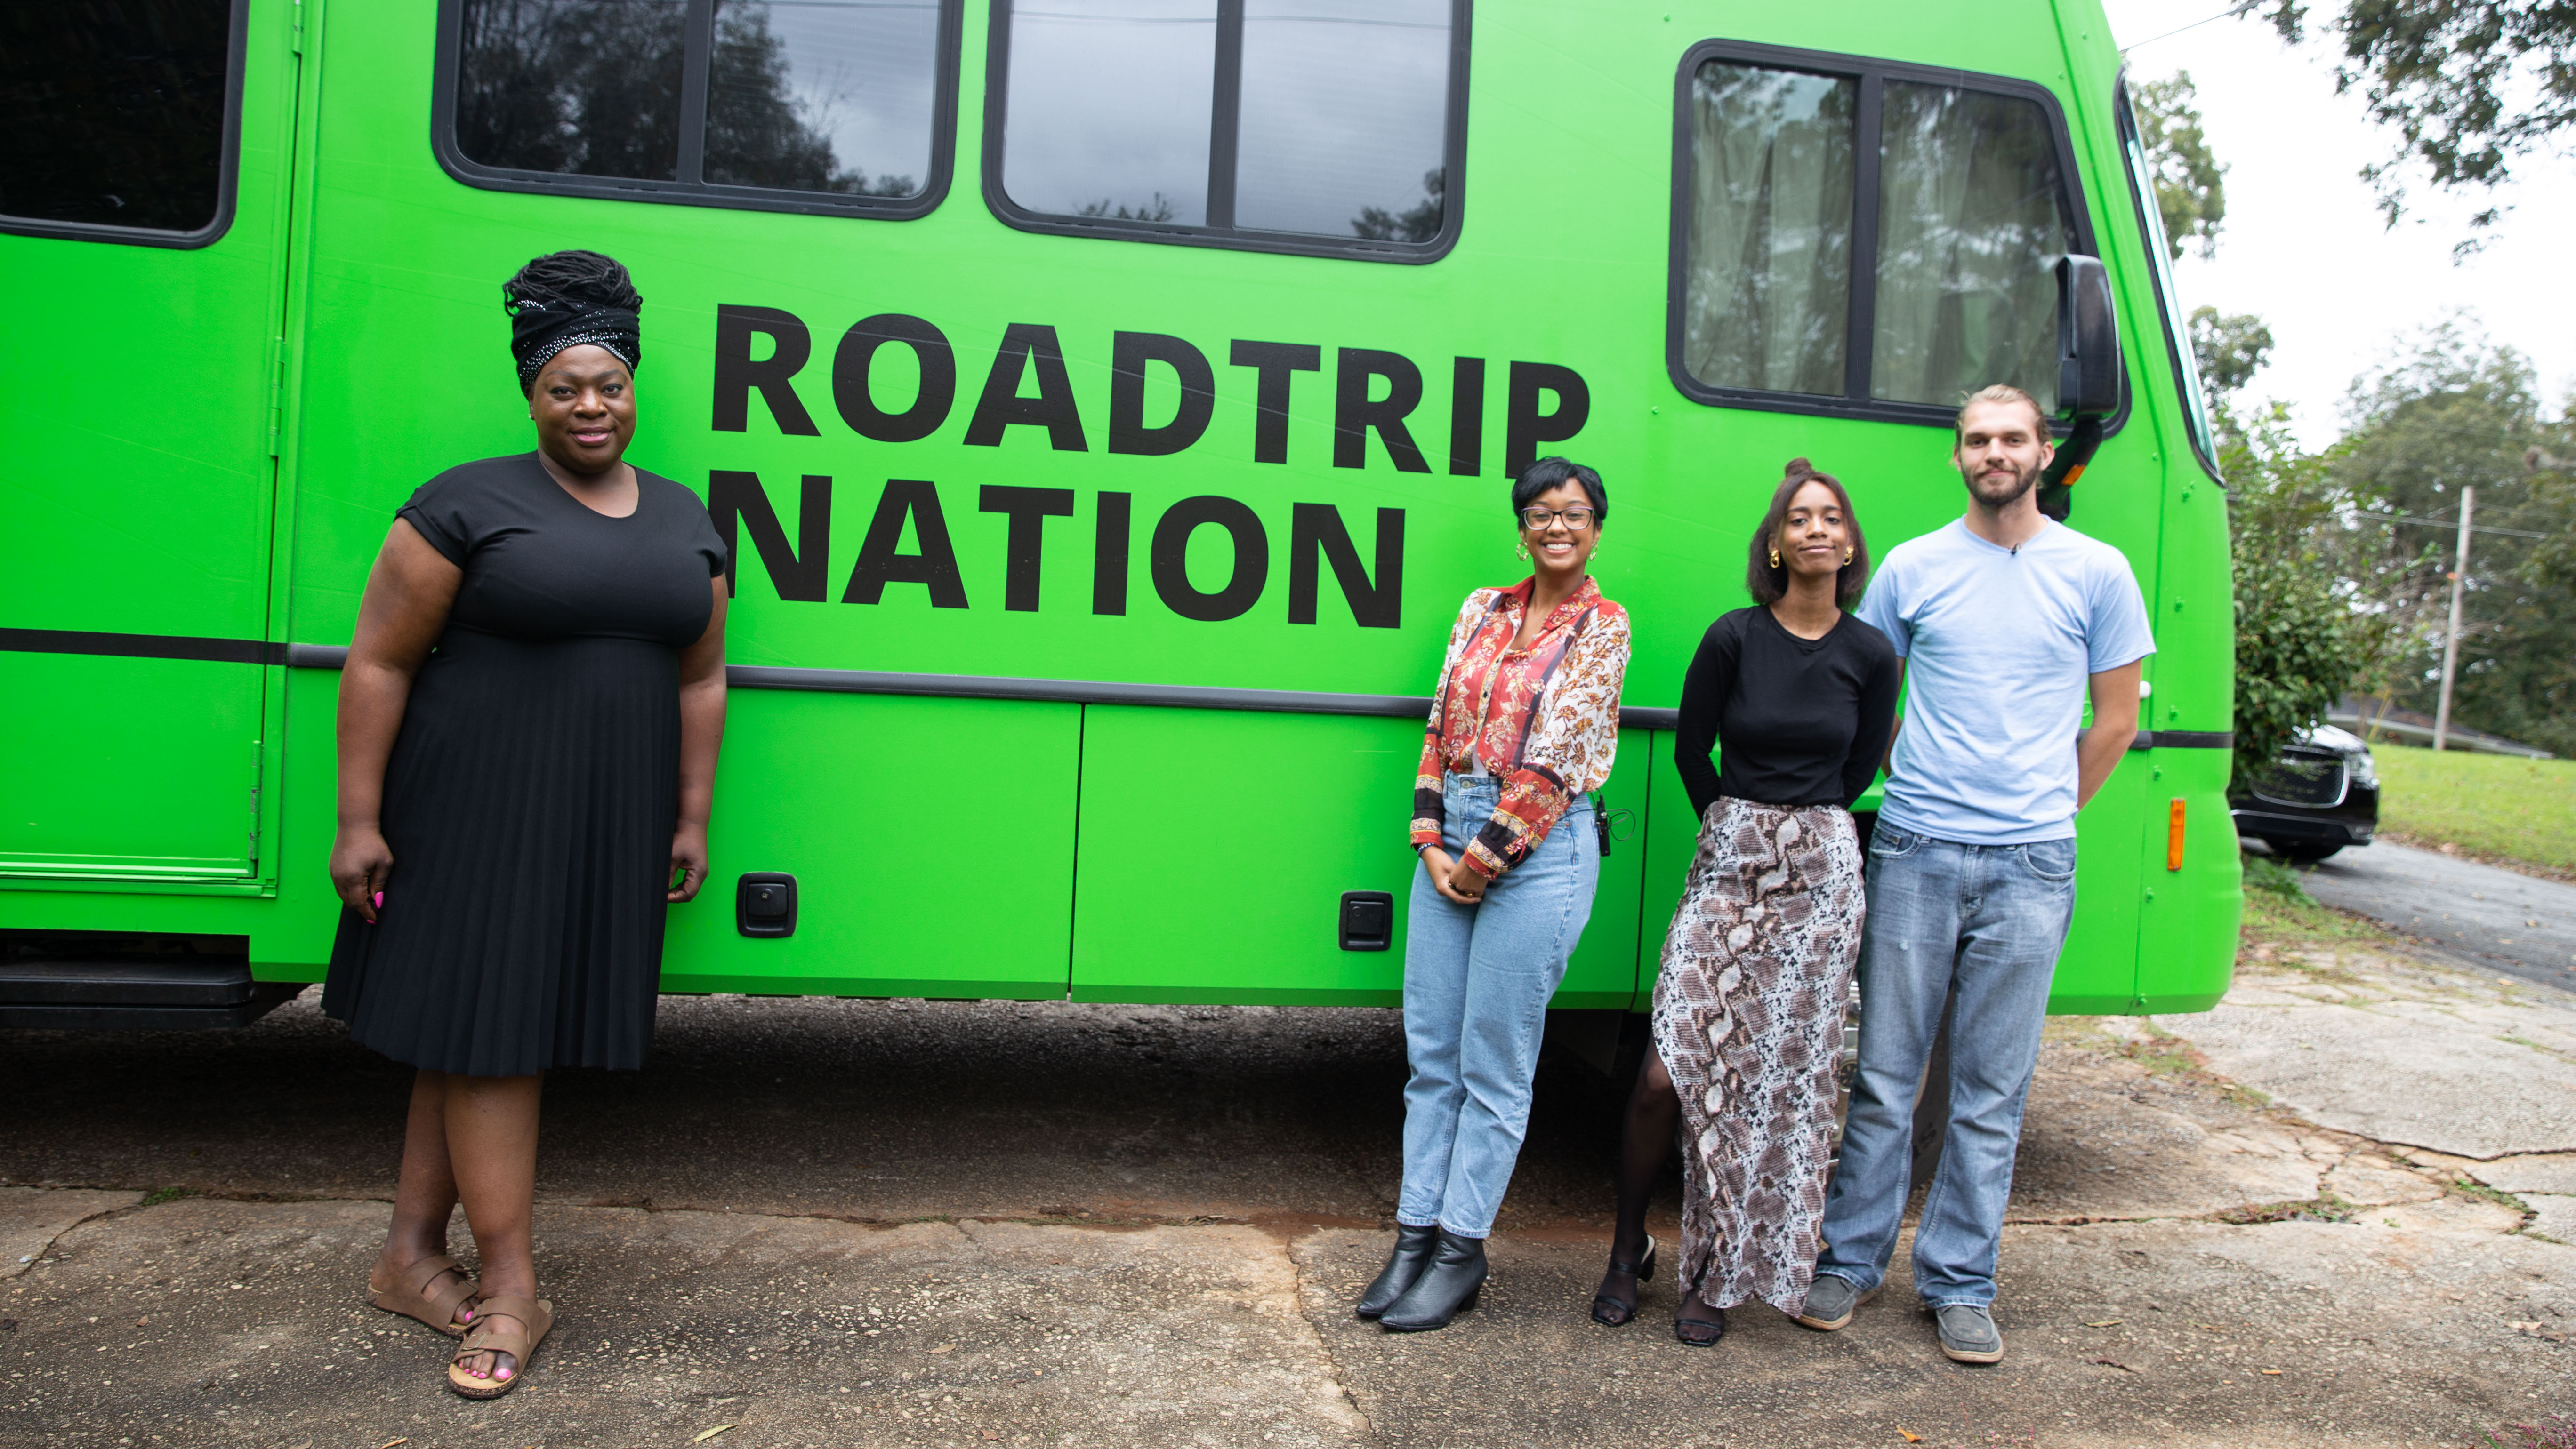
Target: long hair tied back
column 566, row 299
column 1769, row 582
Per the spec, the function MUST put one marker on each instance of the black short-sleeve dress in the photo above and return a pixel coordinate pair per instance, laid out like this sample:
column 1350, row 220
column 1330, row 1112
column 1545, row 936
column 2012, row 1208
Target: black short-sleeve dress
column 534, row 786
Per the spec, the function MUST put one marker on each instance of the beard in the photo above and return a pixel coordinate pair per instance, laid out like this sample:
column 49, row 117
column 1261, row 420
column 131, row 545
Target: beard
column 2002, row 490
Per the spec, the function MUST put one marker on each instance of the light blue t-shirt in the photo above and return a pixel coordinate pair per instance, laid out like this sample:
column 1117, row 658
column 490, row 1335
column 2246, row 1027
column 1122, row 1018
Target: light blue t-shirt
column 1997, row 643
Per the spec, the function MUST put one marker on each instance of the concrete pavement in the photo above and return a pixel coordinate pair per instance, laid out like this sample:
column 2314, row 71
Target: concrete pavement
column 865, row 1223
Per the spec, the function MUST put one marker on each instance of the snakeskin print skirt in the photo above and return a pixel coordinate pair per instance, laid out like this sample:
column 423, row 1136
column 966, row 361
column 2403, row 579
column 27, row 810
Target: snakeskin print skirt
column 1748, row 1019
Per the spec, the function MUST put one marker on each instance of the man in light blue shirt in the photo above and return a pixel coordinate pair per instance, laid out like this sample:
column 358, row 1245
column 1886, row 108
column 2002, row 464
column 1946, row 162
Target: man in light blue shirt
column 2005, row 621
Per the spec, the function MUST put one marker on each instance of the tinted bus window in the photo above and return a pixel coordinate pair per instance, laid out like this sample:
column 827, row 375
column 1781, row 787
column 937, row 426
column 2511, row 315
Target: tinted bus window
column 116, row 113
column 585, row 87
column 1791, row 175
column 1344, row 112
column 822, row 96
column 795, row 105
column 1294, row 125
column 1109, row 108
column 1770, row 228
column 1971, row 218
column 2142, row 190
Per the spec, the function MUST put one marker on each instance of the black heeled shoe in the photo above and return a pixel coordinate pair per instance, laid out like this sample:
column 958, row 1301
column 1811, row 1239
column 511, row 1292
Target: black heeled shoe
column 1447, row 1288
column 1403, row 1266
column 1613, row 1312
column 1699, row 1332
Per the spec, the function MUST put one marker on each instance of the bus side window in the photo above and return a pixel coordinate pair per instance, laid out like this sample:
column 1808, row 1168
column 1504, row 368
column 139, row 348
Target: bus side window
column 1861, row 238
column 829, row 105
column 116, row 119
column 2160, row 254
column 1317, row 126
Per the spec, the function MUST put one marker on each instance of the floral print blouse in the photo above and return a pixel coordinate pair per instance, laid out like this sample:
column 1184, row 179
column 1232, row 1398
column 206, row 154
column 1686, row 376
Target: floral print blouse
column 1545, row 720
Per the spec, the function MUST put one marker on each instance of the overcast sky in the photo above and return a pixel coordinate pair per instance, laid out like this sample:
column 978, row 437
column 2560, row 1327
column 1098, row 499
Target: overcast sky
column 2304, row 247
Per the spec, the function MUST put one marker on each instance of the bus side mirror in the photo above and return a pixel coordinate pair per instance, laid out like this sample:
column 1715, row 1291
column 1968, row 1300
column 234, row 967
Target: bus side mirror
column 2088, row 374
column 2088, row 338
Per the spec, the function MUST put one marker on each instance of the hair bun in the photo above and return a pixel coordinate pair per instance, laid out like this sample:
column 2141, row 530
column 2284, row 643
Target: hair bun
column 586, row 280
column 1799, row 468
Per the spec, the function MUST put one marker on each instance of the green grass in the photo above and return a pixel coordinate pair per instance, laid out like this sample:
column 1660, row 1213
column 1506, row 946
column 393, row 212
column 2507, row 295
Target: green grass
column 2492, row 805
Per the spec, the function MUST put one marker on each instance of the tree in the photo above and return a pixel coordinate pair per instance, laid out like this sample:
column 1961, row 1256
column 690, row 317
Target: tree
column 2451, row 412
column 2300, row 643
column 2191, row 185
column 2470, row 85
column 1419, row 222
column 2228, row 351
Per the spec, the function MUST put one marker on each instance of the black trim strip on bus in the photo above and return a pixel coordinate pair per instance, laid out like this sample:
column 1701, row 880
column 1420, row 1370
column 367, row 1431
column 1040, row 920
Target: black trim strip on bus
column 227, row 174
column 1453, row 160
column 693, row 82
column 932, row 686
column 1870, row 75
column 146, row 646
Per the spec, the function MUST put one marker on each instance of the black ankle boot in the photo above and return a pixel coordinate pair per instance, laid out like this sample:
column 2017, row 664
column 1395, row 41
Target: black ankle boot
column 1447, row 1288
column 1412, row 1254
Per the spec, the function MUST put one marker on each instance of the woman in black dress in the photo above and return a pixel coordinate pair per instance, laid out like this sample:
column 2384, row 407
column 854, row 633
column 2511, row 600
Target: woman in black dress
column 1748, row 1008
column 528, row 728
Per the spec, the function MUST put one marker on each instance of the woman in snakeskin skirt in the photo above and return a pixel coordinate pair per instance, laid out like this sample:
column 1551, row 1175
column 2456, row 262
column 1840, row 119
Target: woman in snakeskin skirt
column 1800, row 698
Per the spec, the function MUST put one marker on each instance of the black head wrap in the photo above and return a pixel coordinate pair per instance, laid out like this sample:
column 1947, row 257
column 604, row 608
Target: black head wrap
column 566, row 299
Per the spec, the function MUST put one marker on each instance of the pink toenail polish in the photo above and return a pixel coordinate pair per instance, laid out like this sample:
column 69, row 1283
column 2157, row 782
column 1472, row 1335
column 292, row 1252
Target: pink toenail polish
column 505, row 1373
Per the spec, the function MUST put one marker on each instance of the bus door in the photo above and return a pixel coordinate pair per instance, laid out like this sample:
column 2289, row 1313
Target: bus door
column 141, row 269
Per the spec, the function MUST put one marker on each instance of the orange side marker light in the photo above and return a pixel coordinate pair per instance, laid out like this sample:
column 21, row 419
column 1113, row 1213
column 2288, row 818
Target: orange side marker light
column 2173, row 838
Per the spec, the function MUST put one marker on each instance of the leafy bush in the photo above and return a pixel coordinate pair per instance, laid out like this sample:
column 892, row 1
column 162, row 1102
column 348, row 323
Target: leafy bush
column 2299, row 643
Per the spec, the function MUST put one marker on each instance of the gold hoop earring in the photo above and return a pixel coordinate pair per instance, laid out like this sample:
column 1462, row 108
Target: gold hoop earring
column 1847, row 556
column 1775, row 558
column 1523, row 550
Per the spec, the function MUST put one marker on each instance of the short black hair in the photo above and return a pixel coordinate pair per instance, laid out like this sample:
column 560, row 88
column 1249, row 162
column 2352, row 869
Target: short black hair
column 1548, row 473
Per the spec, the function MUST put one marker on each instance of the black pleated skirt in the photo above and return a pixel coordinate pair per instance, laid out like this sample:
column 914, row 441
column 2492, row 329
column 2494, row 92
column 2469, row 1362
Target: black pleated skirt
column 529, row 803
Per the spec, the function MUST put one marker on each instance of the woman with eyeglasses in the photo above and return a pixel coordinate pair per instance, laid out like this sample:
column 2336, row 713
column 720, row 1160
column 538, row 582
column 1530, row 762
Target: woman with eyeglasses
column 1524, row 722
column 1800, row 699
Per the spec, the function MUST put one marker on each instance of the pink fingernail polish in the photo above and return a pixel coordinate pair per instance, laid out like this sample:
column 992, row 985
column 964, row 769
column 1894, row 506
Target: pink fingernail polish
column 380, row 900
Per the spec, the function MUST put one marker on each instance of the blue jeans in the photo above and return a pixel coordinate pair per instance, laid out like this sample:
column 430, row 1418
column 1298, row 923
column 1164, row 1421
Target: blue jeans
column 1476, row 984
column 1985, row 922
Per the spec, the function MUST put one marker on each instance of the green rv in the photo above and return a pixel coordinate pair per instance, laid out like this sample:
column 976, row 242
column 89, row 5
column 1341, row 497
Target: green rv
column 1110, row 402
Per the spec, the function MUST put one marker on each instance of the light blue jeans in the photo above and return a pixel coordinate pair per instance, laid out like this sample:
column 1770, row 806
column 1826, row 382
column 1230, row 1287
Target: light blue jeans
column 1476, row 984
column 1986, row 922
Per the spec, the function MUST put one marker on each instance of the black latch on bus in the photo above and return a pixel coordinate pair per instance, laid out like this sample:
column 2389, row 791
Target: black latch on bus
column 764, row 904
column 1368, row 920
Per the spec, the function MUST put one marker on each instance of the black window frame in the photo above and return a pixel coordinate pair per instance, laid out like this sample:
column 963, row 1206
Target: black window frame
column 693, row 132
column 227, row 173
column 1226, row 130
column 2175, row 327
column 1861, row 317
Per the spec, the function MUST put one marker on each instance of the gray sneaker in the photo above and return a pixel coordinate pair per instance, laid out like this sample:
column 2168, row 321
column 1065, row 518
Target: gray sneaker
column 1830, row 1301
column 1968, row 1333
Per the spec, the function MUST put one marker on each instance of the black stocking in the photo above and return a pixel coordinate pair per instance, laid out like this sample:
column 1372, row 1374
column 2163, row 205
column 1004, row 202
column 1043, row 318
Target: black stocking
column 1653, row 1108
column 1647, row 1139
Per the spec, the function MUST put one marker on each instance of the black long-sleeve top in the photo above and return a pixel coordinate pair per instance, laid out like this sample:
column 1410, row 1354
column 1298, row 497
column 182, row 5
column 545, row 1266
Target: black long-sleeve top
column 1798, row 722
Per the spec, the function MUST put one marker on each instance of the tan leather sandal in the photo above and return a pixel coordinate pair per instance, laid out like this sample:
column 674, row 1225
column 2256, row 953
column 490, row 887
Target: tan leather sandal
column 526, row 1320
column 420, row 1294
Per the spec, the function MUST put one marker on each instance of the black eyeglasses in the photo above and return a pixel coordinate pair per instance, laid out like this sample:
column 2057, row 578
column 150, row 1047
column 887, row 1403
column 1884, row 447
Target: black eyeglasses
column 1577, row 519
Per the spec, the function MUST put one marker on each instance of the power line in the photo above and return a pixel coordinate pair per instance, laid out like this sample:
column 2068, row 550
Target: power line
column 2451, row 523
column 2232, row 11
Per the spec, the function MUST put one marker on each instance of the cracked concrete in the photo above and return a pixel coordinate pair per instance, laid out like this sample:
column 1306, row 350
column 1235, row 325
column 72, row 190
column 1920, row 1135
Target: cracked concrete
column 849, row 1223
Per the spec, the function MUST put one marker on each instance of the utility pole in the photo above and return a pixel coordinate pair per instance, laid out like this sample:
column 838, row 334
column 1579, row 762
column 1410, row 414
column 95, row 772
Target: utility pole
column 2451, row 640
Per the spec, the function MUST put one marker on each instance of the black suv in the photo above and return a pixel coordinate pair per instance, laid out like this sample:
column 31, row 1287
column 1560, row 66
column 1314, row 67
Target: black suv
column 2320, row 795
